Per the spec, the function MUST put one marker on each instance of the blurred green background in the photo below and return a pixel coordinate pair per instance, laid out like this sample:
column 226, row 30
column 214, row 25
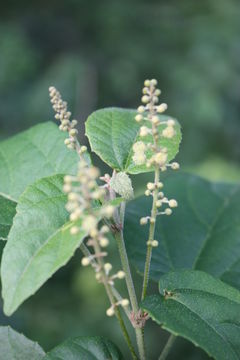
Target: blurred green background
column 98, row 53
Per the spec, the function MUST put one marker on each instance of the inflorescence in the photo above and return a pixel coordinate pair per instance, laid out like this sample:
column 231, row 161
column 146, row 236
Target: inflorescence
column 67, row 125
column 150, row 152
column 83, row 191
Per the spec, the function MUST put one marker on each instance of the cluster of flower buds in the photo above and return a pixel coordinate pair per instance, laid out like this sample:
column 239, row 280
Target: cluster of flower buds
column 82, row 191
column 152, row 130
column 150, row 152
column 63, row 115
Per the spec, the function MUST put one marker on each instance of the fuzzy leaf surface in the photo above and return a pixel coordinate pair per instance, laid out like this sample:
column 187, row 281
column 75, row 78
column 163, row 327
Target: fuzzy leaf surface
column 85, row 348
column 35, row 153
column 39, row 242
column 7, row 213
column 15, row 346
column 200, row 308
column 112, row 133
column 202, row 233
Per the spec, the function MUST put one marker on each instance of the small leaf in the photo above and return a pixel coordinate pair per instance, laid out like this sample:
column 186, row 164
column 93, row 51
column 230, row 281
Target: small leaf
column 15, row 346
column 7, row 213
column 112, row 133
column 85, row 348
column 33, row 154
column 201, row 309
column 39, row 241
column 202, row 233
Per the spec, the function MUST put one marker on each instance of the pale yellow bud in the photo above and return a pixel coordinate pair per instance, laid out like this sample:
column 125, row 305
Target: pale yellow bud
column 152, row 220
column 83, row 149
column 110, row 311
column 103, row 242
column 168, row 211
column 98, row 276
column 159, row 185
column 155, row 120
column 89, row 223
column 145, row 99
column 73, row 132
column 74, row 230
column 160, row 158
column 158, row 203
column 67, row 188
column 144, row 131
column 175, row 166
column 67, row 141
column 143, row 221
column 147, row 83
column 141, row 109
column 85, row 261
column 67, row 179
column 161, row 108
column 124, row 302
column 139, row 146
column 107, row 267
column 150, row 186
column 173, row 203
column 139, row 158
column 154, row 82
column 120, row 274
column 104, row 229
column 108, row 211
column 93, row 233
column 154, row 243
column 138, row 117
column 168, row 132
column 147, row 192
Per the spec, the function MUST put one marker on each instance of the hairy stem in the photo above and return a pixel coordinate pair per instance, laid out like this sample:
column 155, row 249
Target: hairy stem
column 150, row 237
column 129, row 281
column 167, row 347
column 111, row 297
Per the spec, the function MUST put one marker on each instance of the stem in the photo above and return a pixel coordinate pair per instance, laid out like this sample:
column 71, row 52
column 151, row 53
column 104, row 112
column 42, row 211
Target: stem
column 129, row 281
column 167, row 347
column 111, row 297
column 119, row 298
column 150, row 237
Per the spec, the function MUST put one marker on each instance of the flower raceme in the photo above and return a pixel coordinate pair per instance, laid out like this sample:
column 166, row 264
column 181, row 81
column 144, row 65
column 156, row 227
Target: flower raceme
column 156, row 130
column 83, row 191
column 63, row 115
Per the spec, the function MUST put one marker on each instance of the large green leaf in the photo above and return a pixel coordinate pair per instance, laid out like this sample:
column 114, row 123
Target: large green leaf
column 202, row 233
column 7, row 213
column 85, row 348
column 201, row 309
column 112, row 133
column 33, row 154
column 39, row 242
column 15, row 346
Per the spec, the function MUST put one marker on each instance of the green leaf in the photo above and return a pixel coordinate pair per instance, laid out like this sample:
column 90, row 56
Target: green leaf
column 39, row 242
column 33, row 154
column 15, row 346
column 85, row 348
column 202, row 233
column 7, row 213
column 201, row 309
column 112, row 133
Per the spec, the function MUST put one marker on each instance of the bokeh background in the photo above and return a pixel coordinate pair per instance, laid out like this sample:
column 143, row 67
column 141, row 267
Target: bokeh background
column 98, row 54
